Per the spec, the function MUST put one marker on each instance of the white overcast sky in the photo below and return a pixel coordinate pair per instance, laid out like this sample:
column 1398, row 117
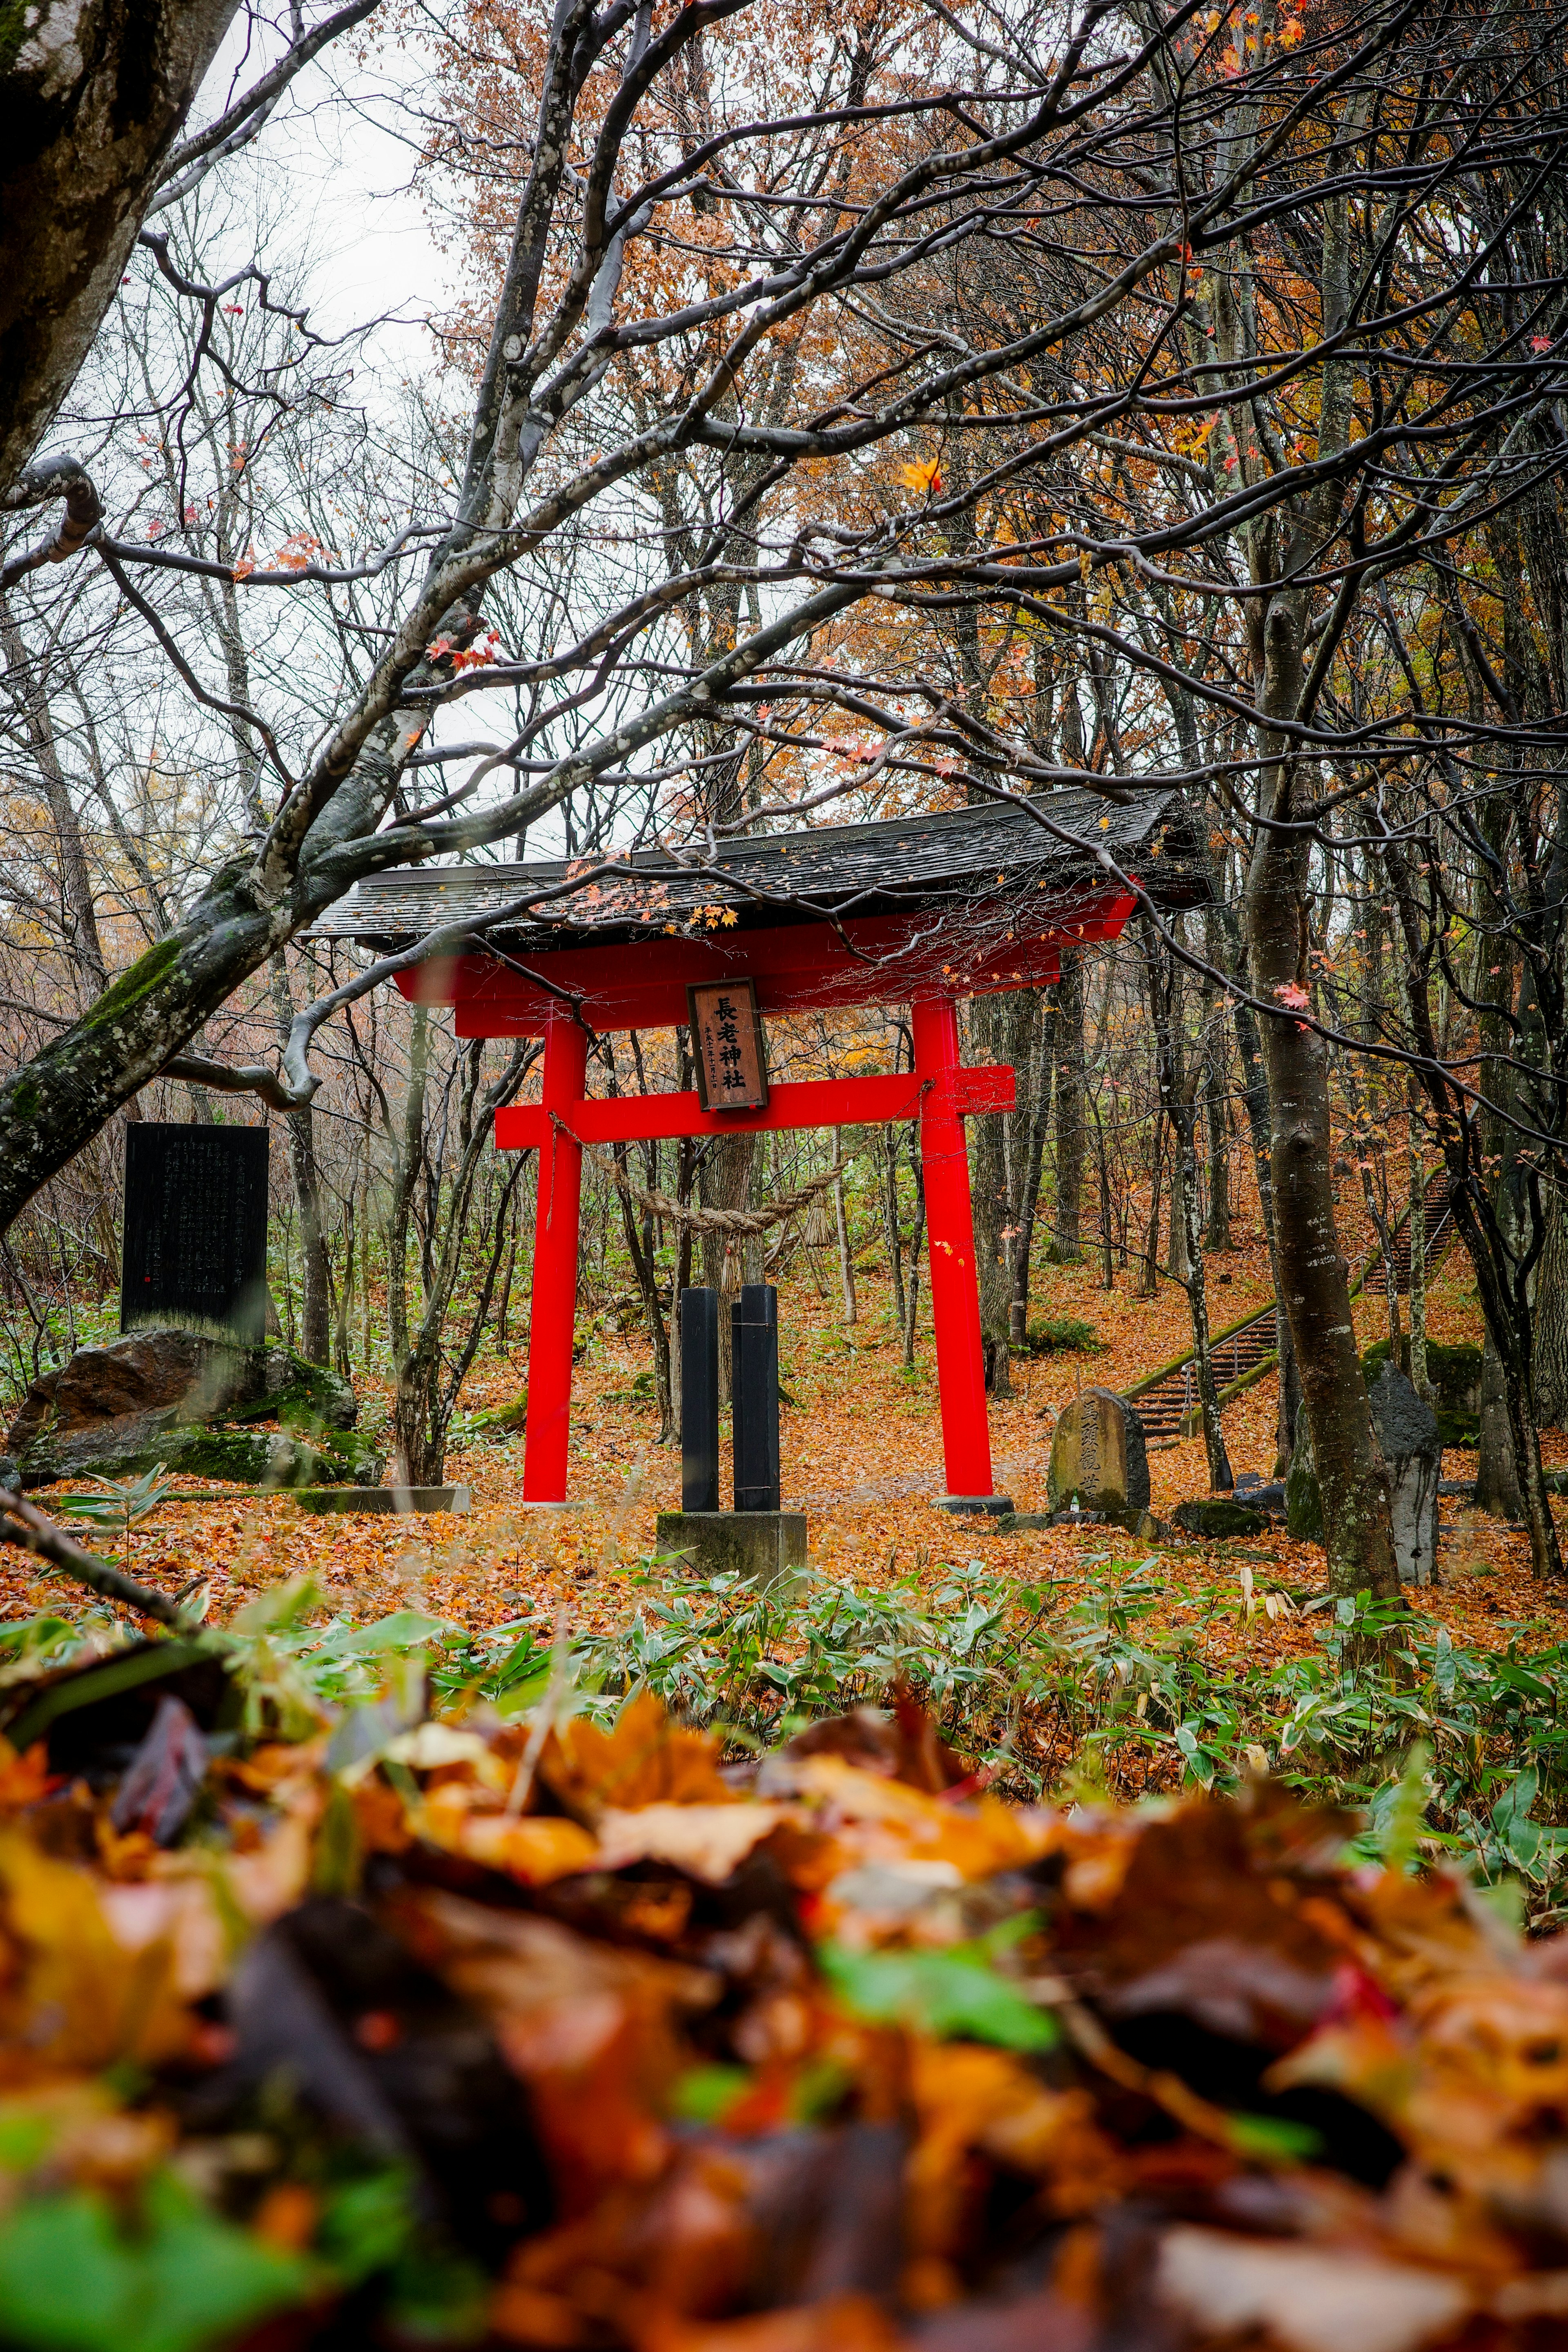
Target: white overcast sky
column 349, row 177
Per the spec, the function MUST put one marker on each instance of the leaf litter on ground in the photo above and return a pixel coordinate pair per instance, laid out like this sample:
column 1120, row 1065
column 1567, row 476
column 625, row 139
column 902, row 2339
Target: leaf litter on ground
column 376, row 1984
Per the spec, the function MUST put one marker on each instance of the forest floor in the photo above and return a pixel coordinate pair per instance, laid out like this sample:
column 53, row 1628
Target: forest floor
column 861, row 1454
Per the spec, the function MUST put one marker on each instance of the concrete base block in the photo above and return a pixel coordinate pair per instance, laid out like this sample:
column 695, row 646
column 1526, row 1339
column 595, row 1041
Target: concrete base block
column 974, row 1506
column 385, row 1499
column 763, row 1545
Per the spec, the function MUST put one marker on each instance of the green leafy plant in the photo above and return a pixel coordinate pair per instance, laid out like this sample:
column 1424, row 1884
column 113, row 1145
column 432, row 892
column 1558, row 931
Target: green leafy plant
column 120, row 1503
column 1063, row 1335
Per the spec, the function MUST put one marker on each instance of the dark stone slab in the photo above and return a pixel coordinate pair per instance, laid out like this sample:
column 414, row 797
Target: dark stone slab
column 196, row 1228
column 385, row 1499
column 764, row 1547
column 1213, row 1517
column 699, row 1399
column 974, row 1506
column 754, row 1360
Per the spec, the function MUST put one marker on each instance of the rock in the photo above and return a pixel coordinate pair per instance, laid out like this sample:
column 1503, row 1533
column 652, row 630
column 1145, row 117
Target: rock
column 1099, row 1458
column 1303, row 1496
column 1455, row 1373
column 1269, row 1498
column 1216, row 1516
column 10, row 1477
column 136, row 1441
column 152, row 1395
column 1407, row 1434
column 196, row 1378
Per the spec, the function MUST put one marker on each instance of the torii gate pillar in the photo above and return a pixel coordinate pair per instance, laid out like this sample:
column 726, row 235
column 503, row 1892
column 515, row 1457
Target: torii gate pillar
column 939, row 1091
column 954, row 1276
column 552, row 1321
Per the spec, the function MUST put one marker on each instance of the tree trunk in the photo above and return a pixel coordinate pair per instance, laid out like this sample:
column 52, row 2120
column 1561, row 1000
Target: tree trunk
column 1497, row 1472
column 999, row 1029
column 315, row 1266
column 1419, row 1375
column 841, row 1227
column 1029, row 1206
column 725, row 1181
column 1146, row 1282
column 1065, row 1240
column 891, row 1222
column 911, row 1302
column 1314, row 1279
column 94, row 96
column 1551, row 1365
column 1178, row 1098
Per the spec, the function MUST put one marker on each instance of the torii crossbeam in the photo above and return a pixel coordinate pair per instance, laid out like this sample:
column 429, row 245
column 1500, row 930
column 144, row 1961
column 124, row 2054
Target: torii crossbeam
column 924, row 911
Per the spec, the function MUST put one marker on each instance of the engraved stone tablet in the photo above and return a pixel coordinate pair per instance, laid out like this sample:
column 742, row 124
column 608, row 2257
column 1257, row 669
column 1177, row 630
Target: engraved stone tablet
column 1098, row 1456
column 195, row 1229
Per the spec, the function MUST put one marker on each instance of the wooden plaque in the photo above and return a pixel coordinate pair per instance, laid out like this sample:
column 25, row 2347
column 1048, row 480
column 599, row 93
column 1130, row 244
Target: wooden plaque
column 728, row 1047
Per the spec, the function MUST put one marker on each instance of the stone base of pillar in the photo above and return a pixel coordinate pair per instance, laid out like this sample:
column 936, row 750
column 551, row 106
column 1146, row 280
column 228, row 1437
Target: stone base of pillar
column 975, row 1507
column 764, row 1547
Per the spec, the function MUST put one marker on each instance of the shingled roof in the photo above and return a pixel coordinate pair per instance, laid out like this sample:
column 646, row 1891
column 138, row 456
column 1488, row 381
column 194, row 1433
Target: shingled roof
column 964, row 860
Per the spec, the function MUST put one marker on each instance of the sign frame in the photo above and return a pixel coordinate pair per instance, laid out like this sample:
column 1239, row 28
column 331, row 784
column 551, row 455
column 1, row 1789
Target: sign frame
column 749, row 1039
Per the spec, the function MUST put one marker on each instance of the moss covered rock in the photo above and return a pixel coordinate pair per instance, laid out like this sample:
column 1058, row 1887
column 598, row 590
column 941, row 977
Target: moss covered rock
column 167, row 1394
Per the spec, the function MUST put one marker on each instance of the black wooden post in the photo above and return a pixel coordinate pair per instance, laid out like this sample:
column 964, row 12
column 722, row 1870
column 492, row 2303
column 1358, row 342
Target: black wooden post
column 698, row 1400
column 754, row 1327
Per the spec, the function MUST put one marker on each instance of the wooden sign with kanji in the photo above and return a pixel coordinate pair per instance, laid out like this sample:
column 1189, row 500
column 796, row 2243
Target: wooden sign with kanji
column 727, row 1047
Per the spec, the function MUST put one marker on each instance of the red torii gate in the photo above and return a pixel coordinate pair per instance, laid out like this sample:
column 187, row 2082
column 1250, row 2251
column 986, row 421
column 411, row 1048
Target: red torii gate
column 924, row 911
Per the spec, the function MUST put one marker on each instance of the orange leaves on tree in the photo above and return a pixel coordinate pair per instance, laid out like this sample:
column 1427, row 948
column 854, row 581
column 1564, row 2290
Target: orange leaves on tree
column 479, row 656
column 925, row 476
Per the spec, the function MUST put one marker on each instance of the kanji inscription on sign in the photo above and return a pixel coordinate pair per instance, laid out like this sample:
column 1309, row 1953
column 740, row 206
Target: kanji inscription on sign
column 728, row 1047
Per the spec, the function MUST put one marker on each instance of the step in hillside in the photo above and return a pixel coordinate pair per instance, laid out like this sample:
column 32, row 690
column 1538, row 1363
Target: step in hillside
column 1164, row 1406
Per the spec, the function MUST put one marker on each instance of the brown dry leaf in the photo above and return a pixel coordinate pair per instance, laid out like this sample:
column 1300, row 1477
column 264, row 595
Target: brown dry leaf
column 269, row 1878
column 1307, row 2298
column 841, row 2324
column 645, row 1760
column 1188, row 1921
column 178, row 1909
column 77, row 1997
column 973, row 2100
column 873, row 1819
column 23, row 1779
column 710, row 1842
column 533, row 1849
column 592, row 2030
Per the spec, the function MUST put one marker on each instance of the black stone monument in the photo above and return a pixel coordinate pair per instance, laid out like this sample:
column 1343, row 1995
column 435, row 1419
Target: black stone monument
column 755, row 1541
column 754, row 1332
column 698, row 1400
column 195, row 1229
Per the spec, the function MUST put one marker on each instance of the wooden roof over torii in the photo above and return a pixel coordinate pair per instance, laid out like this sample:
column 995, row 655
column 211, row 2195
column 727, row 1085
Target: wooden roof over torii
column 963, row 903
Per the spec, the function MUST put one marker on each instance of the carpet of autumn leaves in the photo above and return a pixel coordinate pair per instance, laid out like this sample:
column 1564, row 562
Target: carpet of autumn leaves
column 558, row 2035
column 341, row 2024
column 862, row 1454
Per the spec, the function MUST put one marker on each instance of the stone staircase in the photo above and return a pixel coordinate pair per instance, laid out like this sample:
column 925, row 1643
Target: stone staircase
column 1167, row 1401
